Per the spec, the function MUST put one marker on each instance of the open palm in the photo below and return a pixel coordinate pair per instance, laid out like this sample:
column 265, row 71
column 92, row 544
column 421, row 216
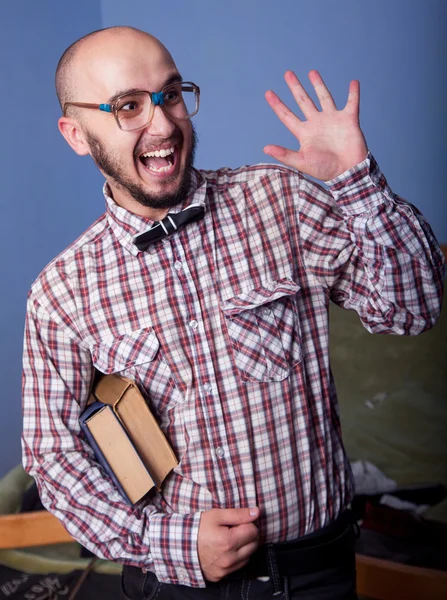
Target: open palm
column 331, row 140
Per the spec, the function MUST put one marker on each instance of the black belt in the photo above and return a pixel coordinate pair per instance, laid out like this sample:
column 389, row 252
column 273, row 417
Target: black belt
column 317, row 551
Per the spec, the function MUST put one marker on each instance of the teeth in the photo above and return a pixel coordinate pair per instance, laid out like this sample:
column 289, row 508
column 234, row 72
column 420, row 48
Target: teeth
column 159, row 153
column 159, row 170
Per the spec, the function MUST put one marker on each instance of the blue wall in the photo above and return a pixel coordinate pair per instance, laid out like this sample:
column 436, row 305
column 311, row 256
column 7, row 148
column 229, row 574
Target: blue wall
column 235, row 50
column 48, row 199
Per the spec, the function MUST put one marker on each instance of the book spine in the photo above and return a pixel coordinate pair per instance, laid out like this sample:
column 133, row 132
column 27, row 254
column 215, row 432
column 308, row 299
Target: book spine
column 92, row 409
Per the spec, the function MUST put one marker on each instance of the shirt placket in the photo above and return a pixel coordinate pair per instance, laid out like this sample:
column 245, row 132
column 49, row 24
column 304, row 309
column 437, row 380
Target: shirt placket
column 205, row 393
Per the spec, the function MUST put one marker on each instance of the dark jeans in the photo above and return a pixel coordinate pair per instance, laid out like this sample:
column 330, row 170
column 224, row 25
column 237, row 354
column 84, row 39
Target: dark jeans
column 334, row 582
column 337, row 583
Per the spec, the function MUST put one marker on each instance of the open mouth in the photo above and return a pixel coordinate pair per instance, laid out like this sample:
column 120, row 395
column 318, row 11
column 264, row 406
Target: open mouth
column 159, row 161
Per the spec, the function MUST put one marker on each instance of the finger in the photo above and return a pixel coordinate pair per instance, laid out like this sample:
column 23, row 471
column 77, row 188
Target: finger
column 353, row 102
column 236, row 516
column 284, row 114
column 239, row 559
column 242, row 556
column 291, row 158
column 302, row 98
column 227, row 568
column 323, row 94
column 242, row 535
column 246, row 551
column 236, row 566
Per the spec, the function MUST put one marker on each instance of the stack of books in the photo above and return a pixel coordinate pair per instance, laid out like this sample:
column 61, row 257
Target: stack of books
column 126, row 438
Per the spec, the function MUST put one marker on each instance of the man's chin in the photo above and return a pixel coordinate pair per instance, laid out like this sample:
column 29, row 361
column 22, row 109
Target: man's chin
column 166, row 194
column 159, row 201
column 156, row 186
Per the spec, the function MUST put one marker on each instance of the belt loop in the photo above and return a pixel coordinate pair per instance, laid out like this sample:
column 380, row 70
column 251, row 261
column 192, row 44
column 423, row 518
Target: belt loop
column 272, row 564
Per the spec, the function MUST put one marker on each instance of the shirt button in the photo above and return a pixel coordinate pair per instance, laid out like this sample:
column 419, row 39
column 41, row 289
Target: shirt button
column 182, row 574
column 220, row 452
column 207, row 388
column 178, row 265
column 266, row 311
column 193, row 324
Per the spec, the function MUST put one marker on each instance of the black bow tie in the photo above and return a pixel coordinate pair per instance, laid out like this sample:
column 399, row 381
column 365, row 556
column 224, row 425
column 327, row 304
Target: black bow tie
column 172, row 222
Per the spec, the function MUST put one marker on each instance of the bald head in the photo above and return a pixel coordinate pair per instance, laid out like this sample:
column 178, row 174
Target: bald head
column 89, row 56
column 104, row 77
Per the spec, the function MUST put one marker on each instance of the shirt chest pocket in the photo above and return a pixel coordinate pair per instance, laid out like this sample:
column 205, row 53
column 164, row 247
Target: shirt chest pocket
column 264, row 330
column 137, row 355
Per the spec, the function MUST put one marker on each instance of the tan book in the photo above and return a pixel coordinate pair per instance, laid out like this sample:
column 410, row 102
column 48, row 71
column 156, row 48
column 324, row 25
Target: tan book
column 117, row 454
column 139, row 426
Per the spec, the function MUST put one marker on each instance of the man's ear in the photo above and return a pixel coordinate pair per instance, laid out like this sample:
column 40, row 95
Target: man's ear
column 74, row 135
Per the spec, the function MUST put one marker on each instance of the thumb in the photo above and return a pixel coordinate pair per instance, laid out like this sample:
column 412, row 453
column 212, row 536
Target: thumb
column 290, row 158
column 237, row 516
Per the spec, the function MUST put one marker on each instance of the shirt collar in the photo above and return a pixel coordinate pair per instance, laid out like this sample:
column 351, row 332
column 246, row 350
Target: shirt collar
column 125, row 224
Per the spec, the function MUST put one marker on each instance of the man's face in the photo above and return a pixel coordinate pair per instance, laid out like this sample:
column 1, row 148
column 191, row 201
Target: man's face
column 113, row 168
column 135, row 62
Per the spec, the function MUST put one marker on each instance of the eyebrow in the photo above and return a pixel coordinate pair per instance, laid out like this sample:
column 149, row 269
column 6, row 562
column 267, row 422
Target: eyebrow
column 175, row 78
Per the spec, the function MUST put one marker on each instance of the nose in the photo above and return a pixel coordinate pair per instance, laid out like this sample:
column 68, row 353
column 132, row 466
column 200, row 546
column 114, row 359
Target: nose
column 160, row 125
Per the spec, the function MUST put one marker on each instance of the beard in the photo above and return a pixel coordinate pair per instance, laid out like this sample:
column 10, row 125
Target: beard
column 109, row 164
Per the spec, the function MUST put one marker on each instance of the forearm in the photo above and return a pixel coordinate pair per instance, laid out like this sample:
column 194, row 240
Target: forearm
column 57, row 374
column 73, row 487
column 388, row 266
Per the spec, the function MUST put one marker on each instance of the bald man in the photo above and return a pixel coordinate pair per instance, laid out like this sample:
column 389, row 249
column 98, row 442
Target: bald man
column 210, row 289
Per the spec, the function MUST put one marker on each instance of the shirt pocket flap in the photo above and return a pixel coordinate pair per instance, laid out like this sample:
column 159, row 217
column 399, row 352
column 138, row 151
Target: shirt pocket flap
column 264, row 330
column 129, row 350
column 268, row 292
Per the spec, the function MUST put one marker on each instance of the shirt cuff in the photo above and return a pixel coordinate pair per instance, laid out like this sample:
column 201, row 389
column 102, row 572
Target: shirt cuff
column 360, row 188
column 173, row 549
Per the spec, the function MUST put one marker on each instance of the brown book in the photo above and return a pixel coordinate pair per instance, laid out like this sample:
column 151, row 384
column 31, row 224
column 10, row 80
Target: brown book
column 130, row 407
column 116, row 453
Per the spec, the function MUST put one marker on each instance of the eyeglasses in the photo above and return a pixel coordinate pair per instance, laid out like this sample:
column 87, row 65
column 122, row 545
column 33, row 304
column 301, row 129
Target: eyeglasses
column 135, row 110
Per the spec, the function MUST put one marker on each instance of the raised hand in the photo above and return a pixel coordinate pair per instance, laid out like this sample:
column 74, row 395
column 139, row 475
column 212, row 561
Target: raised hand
column 331, row 140
column 227, row 538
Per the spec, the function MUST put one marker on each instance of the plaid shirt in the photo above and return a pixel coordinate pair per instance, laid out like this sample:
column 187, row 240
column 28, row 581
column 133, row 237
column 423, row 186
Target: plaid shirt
column 224, row 326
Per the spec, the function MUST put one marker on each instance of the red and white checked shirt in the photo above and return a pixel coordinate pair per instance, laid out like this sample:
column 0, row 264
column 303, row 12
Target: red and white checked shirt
column 224, row 326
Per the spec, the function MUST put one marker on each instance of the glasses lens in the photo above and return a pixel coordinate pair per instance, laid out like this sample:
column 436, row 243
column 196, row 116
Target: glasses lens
column 133, row 110
column 181, row 100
